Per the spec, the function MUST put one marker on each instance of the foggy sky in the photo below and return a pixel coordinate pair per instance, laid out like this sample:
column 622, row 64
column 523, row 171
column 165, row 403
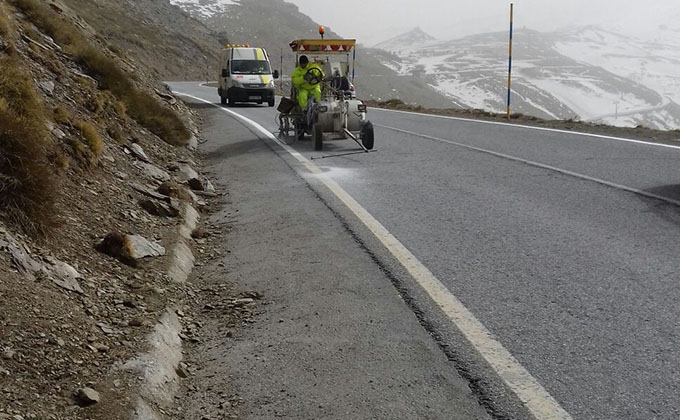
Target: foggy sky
column 372, row 21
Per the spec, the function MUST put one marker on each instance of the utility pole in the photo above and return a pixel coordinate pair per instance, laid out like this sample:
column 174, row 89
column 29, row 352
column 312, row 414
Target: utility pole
column 512, row 10
column 616, row 110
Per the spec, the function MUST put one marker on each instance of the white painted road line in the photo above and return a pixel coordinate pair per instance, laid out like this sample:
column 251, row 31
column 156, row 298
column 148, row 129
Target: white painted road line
column 532, row 394
column 538, row 165
column 531, row 127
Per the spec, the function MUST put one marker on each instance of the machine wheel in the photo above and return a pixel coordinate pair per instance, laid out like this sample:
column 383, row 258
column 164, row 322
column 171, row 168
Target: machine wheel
column 230, row 100
column 367, row 136
column 317, row 134
column 271, row 102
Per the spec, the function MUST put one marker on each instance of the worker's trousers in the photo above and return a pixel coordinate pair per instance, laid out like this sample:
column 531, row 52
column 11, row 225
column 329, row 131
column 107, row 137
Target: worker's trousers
column 303, row 95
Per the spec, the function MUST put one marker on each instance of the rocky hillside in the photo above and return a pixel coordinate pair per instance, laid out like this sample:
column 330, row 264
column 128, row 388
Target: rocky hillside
column 160, row 37
column 586, row 74
column 94, row 175
column 274, row 23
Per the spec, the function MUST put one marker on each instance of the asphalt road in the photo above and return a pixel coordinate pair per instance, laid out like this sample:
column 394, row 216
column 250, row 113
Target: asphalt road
column 540, row 235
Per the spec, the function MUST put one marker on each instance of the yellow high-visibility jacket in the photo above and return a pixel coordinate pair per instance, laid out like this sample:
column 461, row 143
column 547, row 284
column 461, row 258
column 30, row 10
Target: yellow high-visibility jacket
column 298, row 77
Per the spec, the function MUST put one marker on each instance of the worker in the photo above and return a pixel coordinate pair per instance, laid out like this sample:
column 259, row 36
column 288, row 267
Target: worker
column 307, row 81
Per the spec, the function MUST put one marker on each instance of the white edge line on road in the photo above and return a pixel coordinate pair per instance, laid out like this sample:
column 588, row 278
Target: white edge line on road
column 536, row 164
column 532, row 394
column 530, row 127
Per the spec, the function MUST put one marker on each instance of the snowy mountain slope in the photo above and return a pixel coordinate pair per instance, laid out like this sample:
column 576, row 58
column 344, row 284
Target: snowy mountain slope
column 586, row 74
column 652, row 63
column 415, row 37
column 204, row 8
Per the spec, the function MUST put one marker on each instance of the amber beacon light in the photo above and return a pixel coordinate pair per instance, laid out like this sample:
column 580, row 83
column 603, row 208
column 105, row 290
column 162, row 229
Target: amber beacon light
column 322, row 31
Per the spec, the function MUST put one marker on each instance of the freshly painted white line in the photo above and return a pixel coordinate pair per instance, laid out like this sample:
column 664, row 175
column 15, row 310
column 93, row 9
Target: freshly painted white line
column 536, row 164
column 532, row 394
column 554, row 130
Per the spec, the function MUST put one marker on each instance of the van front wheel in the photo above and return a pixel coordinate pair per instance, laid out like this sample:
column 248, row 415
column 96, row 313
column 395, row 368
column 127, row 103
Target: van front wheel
column 271, row 102
column 223, row 100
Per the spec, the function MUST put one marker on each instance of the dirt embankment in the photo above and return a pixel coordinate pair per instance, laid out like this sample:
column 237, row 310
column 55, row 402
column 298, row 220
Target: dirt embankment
column 96, row 178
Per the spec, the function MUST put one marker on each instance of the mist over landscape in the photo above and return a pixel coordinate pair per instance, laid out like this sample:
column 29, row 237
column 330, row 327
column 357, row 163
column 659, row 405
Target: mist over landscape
column 195, row 228
column 607, row 62
column 382, row 19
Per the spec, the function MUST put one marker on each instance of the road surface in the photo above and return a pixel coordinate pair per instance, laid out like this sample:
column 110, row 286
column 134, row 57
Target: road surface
column 563, row 247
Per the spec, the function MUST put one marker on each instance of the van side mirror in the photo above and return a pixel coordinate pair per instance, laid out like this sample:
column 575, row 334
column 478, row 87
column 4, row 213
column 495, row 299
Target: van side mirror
column 225, row 72
column 276, row 74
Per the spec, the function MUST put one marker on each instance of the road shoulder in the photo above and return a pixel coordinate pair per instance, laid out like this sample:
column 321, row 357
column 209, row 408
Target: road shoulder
column 329, row 336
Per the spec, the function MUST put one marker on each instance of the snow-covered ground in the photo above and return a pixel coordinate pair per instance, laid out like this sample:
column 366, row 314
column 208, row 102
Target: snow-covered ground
column 586, row 73
column 204, row 8
column 652, row 63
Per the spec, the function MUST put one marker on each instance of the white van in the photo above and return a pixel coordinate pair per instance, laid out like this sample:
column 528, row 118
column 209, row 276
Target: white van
column 246, row 76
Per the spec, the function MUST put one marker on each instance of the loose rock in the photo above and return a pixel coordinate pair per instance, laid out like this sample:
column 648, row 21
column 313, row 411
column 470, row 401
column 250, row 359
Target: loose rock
column 159, row 209
column 138, row 152
column 182, row 371
column 196, row 184
column 100, row 347
column 63, row 275
column 136, row 322
column 141, row 247
column 154, row 172
column 47, row 87
column 117, row 245
column 187, row 173
column 87, row 396
column 174, row 190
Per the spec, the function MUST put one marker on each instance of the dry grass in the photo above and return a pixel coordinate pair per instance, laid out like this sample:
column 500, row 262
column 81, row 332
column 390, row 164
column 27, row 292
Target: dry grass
column 5, row 25
column 48, row 21
column 18, row 92
column 61, row 115
column 27, row 182
column 120, row 109
column 141, row 106
column 91, row 137
column 156, row 118
column 80, row 152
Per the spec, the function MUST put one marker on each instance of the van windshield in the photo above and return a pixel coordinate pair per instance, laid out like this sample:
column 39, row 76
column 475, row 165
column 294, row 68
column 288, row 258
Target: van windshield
column 250, row 67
